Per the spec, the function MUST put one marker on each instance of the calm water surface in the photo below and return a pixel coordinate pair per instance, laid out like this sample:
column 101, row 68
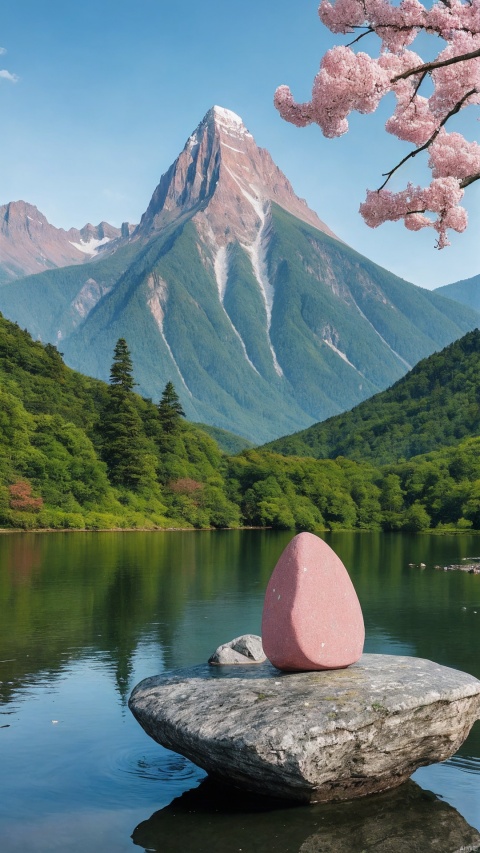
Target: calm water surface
column 84, row 617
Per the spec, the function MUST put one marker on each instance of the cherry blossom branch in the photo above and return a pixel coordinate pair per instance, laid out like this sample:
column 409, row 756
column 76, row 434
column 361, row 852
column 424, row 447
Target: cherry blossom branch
column 427, row 144
column 439, row 63
column 353, row 81
column 470, row 180
column 417, row 87
column 368, row 31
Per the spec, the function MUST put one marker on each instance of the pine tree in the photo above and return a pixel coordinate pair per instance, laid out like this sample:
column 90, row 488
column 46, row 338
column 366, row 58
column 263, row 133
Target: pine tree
column 123, row 436
column 170, row 410
column 121, row 370
column 123, row 442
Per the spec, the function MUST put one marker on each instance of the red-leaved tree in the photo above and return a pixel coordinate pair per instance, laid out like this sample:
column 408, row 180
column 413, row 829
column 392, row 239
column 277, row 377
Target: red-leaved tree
column 21, row 497
column 353, row 80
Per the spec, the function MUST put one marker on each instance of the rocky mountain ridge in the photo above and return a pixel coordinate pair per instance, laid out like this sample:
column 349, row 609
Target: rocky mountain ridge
column 29, row 244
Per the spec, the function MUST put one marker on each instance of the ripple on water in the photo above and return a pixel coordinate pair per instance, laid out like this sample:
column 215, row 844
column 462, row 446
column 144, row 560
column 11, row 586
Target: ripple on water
column 139, row 776
column 164, row 767
column 467, row 763
column 171, row 774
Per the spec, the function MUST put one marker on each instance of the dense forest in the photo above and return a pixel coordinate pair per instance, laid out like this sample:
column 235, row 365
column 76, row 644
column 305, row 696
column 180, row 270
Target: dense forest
column 80, row 453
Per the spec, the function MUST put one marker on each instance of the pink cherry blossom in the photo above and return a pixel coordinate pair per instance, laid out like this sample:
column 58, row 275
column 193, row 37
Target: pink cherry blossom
column 441, row 197
column 452, row 156
column 353, row 80
column 413, row 120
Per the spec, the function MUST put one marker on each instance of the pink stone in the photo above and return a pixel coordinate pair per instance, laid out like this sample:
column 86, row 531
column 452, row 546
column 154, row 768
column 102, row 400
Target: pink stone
column 312, row 617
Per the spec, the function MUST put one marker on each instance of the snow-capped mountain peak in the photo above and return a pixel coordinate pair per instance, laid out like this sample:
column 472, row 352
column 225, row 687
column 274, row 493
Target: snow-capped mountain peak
column 222, row 169
column 228, row 121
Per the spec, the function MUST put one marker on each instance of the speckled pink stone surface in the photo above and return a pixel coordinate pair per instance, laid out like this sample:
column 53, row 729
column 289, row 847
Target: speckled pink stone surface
column 312, row 617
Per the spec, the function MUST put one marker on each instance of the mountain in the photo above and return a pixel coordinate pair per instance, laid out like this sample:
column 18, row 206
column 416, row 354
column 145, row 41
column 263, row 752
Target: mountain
column 435, row 406
column 29, row 244
column 467, row 292
column 233, row 289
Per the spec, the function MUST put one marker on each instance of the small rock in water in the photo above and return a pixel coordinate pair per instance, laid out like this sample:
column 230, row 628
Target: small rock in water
column 246, row 649
column 312, row 619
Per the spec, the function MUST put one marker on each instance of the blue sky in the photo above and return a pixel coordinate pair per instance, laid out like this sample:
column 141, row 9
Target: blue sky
column 108, row 93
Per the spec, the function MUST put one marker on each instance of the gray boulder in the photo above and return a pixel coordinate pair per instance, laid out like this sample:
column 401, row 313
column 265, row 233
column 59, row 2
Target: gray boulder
column 313, row 736
column 242, row 650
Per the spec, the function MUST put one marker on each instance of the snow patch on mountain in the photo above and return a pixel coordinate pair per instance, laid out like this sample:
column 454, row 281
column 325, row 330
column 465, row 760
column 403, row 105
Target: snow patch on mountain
column 328, row 339
column 221, row 271
column 156, row 302
column 221, row 275
column 192, row 141
column 258, row 256
column 89, row 247
column 229, row 121
column 231, row 148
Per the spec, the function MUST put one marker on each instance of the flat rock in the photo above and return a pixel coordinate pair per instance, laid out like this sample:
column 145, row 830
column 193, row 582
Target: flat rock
column 311, row 736
column 312, row 617
column 246, row 649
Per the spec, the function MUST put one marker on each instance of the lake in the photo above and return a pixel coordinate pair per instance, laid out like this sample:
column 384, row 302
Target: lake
column 84, row 617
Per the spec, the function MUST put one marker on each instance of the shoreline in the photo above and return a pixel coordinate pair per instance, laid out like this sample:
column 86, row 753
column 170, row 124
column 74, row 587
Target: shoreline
column 430, row 532
column 7, row 530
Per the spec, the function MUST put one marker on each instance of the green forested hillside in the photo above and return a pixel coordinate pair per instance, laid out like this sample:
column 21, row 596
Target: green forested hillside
column 445, row 484
column 45, row 303
column 440, row 490
column 78, row 453
column 435, row 405
column 53, row 471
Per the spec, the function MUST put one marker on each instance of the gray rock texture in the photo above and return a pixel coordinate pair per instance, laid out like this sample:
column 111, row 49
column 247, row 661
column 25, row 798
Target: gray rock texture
column 242, row 650
column 313, row 736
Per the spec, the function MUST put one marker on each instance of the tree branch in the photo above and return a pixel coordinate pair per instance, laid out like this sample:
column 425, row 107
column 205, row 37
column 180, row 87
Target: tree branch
column 368, row 31
column 470, row 180
column 417, row 87
column 439, row 63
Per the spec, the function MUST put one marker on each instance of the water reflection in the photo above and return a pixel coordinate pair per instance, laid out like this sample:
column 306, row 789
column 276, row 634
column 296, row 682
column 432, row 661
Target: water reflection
column 64, row 596
column 214, row 819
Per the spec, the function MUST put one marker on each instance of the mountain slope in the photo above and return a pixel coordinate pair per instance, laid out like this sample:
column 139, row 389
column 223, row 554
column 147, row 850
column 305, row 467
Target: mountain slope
column 434, row 406
column 467, row 292
column 233, row 289
column 53, row 303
